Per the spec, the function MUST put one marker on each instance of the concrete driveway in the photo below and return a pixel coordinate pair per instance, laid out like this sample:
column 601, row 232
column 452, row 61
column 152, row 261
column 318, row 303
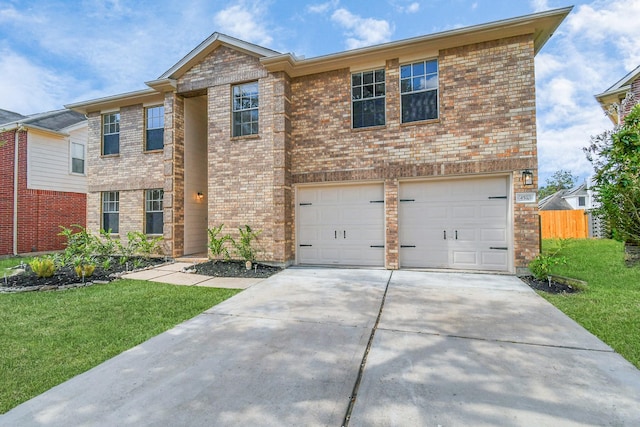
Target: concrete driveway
column 411, row 348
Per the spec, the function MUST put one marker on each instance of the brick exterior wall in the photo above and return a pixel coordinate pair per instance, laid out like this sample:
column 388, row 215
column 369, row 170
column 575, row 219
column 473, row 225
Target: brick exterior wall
column 486, row 125
column 7, row 156
column 40, row 212
column 131, row 172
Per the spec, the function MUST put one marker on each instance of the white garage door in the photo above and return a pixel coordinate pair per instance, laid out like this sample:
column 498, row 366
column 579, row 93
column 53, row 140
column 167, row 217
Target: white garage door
column 341, row 225
column 461, row 224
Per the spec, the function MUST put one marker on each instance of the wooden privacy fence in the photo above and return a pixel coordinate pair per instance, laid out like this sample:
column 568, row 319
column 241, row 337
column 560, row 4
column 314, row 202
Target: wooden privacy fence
column 564, row 224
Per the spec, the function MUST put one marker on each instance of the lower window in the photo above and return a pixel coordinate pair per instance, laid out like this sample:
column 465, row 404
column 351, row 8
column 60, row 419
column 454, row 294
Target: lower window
column 111, row 211
column 154, row 220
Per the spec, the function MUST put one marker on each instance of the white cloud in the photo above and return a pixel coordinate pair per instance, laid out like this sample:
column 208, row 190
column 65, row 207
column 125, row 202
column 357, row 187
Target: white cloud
column 413, row 7
column 243, row 21
column 29, row 88
column 360, row 31
column 540, row 5
column 594, row 48
column 323, row 7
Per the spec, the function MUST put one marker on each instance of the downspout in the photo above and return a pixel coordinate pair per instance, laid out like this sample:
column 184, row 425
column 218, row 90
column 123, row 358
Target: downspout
column 16, row 171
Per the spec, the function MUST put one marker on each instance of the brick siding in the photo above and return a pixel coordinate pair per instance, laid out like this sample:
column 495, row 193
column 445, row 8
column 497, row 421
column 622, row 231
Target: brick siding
column 486, row 126
column 40, row 212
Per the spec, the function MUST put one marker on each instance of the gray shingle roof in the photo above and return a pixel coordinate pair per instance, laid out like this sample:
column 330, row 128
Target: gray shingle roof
column 7, row 116
column 55, row 120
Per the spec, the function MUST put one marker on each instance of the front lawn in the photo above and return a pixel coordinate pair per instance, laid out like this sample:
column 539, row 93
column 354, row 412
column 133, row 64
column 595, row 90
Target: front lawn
column 6, row 264
column 49, row 337
column 610, row 307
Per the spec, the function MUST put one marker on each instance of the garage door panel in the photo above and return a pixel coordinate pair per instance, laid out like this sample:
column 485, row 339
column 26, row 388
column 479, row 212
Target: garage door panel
column 341, row 224
column 472, row 212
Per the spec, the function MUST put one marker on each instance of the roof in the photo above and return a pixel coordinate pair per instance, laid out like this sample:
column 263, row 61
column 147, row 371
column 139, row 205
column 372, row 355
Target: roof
column 615, row 93
column 540, row 25
column 555, row 202
column 7, row 116
column 578, row 190
column 55, row 121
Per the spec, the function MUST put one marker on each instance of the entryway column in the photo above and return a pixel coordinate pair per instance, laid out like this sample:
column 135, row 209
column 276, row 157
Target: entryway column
column 391, row 224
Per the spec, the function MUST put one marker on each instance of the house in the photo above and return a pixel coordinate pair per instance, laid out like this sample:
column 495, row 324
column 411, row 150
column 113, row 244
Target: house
column 578, row 197
column 418, row 153
column 619, row 99
column 42, row 179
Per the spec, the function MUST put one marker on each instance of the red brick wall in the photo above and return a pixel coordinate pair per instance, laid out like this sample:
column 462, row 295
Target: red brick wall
column 40, row 212
column 7, row 153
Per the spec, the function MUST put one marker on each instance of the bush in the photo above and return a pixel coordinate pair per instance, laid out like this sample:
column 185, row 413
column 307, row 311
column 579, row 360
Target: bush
column 245, row 246
column 217, row 244
column 43, row 267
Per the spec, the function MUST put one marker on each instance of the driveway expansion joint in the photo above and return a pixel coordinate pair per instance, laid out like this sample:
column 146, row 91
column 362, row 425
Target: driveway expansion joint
column 466, row 337
column 363, row 363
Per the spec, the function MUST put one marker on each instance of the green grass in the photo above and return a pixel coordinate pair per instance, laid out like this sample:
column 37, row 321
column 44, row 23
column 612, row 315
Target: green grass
column 610, row 307
column 49, row 337
column 7, row 263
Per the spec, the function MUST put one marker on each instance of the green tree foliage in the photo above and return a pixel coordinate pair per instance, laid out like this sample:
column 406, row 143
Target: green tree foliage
column 560, row 180
column 615, row 156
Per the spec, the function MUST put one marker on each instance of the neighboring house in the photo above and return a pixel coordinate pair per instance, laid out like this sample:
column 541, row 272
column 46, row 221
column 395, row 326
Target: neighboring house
column 619, row 99
column 578, row 197
column 405, row 154
column 42, row 179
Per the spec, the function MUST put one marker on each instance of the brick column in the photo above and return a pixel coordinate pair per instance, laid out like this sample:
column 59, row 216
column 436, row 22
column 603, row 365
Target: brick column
column 392, row 261
column 174, row 174
column 526, row 228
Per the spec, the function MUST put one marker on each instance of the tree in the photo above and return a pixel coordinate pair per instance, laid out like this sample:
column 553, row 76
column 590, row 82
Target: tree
column 615, row 156
column 560, row 180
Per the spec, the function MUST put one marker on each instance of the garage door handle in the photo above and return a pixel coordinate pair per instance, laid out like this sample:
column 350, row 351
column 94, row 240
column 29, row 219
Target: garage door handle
column 500, row 248
column 407, row 246
column 456, row 234
column 344, row 234
column 445, row 234
column 335, row 234
column 376, row 246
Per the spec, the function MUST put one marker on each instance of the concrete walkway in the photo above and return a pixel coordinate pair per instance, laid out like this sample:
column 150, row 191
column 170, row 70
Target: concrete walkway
column 174, row 275
column 436, row 349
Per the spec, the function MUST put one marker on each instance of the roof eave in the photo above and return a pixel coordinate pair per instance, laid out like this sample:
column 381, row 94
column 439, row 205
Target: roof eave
column 540, row 25
column 115, row 101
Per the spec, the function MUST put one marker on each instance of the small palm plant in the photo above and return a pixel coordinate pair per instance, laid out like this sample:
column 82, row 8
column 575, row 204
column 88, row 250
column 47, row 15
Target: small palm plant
column 217, row 243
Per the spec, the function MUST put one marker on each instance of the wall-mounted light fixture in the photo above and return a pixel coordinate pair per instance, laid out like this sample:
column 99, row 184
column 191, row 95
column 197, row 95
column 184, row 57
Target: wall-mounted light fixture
column 527, row 177
column 200, row 196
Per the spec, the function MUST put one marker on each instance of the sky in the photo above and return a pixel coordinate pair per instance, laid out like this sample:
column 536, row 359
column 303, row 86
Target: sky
column 56, row 52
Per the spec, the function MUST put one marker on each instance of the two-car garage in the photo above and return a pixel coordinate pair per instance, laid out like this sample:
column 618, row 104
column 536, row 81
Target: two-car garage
column 456, row 223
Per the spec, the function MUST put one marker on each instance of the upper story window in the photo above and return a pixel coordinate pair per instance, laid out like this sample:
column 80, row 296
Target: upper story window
column 110, row 134
column 154, row 137
column 419, row 91
column 111, row 211
column 153, row 211
column 582, row 201
column 77, row 158
column 245, row 109
column 368, row 98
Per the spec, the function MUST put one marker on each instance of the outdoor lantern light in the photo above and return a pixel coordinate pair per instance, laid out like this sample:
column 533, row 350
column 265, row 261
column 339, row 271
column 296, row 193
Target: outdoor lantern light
column 200, row 196
column 527, row 177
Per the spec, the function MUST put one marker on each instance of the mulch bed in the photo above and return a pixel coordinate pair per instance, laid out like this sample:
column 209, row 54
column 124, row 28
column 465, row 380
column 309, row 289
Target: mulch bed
column 66, row 276
column 551, row 287
column 235, row 269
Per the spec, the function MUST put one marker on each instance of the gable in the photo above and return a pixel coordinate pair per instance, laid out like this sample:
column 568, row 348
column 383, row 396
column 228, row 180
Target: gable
column 224, row 65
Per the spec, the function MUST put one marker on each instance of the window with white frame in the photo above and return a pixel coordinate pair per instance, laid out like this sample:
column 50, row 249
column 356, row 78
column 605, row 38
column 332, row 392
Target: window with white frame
column 77, row 158
column 245, row 109
column 154, row 220
column 419, row 91
column 368, row 98
column 154, row 137
column 582, row 201
column 111, row 211
column 110, row 134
